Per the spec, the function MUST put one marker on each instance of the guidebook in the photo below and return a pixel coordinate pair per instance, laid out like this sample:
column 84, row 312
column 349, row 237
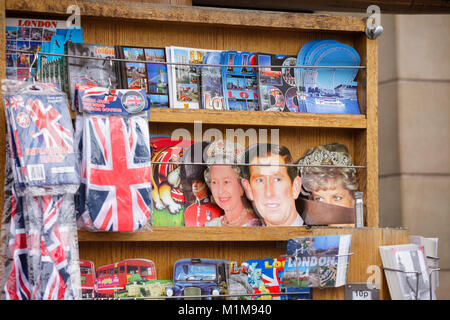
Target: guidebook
column 240, row 85
column 185, row 79
column 211, row 80
column 95, row 72
column 276, row 83
column 34, row 35
column 320, row 261
column 151, row 77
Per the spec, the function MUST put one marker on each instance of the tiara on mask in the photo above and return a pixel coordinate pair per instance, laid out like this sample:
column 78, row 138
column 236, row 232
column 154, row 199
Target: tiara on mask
column 224, row 152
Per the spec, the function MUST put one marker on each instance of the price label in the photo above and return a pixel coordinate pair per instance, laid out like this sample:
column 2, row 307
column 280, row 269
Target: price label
column 360, row 291
column 362, row 295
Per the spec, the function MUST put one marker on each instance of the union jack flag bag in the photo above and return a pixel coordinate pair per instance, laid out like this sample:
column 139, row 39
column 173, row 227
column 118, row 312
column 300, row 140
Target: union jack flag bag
column 41, row 133
column 117, row 164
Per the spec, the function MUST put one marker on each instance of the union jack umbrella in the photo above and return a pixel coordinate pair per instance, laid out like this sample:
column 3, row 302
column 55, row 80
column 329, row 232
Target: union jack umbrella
column 118, row 171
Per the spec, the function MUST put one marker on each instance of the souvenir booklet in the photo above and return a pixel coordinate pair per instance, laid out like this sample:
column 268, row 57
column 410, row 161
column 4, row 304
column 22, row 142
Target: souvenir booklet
column 52, row 68
column 327, row 90
column 168, row 200
column 185, row 80
column 151, row 77
column 93, row 72
column 32, row 35
column 240, row 86
column 264, row 276
column 211, row 80
column 276, row 85
column 55, row 71
column 408, row 271
column 320, row 261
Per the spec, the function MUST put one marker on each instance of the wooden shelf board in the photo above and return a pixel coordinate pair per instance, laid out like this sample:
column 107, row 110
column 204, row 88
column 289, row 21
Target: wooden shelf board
column 131, row 10
column 257, row 118
column 214, row 234
column 199, row 234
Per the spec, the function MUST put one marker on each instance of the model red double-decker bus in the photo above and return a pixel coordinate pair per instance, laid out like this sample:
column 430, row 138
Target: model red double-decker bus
column 114, row 277
column 88, row 283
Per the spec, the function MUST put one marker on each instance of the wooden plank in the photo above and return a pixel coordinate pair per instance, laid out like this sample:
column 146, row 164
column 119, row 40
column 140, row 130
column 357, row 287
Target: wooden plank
column 199, row 234
column 3, row 231
column 184, row 14
column 371, row 143
column 365, row 243
column 252, row 118
column 359, row 6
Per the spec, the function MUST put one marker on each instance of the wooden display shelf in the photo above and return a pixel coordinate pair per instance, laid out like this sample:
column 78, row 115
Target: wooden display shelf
column 132, row 10
column 200, row 234
column 170, row 244
column 258, row 118
column 152, row 25
column 174, row 234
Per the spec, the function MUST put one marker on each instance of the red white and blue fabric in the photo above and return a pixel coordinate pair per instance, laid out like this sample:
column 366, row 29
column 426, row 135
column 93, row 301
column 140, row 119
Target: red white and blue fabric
column 41, row 133
column 17, row 286
column 50, row 246
column 118, row 171
column 83, row 218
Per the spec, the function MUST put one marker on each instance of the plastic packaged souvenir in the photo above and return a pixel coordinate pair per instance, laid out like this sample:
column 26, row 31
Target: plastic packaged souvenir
column 39, row 246
column 41, row 138
column 115, row 194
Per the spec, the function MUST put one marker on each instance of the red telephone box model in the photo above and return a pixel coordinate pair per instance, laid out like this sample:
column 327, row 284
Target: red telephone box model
column 114, row 277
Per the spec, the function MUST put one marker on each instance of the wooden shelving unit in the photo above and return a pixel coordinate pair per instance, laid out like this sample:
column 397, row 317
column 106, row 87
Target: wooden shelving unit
column 252, row 118
column 146, row 24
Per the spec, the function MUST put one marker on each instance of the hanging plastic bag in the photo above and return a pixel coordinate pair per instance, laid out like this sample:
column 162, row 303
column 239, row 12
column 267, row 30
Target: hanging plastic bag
column 53, row 247
column 41, row 133
column 39, row 232
column 115, row 193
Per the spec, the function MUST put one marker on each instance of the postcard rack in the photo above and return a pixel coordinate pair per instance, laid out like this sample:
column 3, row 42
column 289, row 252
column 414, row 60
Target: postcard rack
column 258, row 296
column 417, row 274
column 156, row 25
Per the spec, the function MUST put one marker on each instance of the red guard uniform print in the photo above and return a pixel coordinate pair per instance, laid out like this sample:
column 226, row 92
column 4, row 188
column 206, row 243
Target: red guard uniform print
column 198, row 213
column 118, row 172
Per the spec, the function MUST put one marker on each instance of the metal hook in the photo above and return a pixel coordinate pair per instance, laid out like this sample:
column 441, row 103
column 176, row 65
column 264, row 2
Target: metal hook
column 33, row 77
column 109, row 74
